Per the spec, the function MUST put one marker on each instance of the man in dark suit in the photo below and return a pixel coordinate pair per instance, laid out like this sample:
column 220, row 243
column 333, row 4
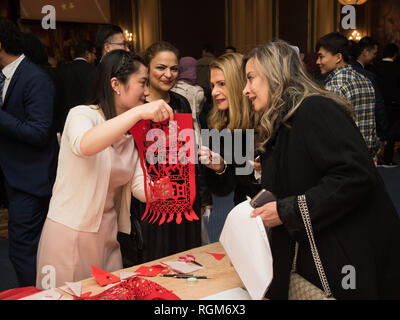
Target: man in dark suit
column 388, row 72
column 74, row 81
column 364, row 53
column 28, row 149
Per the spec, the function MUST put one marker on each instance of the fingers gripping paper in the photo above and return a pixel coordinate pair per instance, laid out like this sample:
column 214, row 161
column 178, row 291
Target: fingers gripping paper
column 167, row 157
column 246, row 243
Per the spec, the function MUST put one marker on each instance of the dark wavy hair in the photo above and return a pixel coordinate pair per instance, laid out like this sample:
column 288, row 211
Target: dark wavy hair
column 10, row 37
column 157, row 47
column 335, row 43
column 119, row 64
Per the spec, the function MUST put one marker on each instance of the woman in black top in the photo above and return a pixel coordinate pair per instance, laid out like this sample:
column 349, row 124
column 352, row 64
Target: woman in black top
column 157, row 240
column 311, row 146
column 232, row 111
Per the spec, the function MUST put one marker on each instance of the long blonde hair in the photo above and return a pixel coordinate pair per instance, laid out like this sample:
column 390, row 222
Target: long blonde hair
column 240, row 114
column 289, row 84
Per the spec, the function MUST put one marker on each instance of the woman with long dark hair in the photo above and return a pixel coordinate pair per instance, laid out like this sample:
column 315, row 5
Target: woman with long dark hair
column 97, row 171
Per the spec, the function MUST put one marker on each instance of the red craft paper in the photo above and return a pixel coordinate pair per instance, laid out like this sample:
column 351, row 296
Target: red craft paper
column 152, row 271
column 104, row 278
column 218, row 256
column 86, row 294
column 134, row 289
column 169, row 175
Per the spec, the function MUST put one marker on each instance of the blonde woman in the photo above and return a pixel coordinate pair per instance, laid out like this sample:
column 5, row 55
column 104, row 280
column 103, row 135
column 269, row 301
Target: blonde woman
column 231, row 111
column 312, row 147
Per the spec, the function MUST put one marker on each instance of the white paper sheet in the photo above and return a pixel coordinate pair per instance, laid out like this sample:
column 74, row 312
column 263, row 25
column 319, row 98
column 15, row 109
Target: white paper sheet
column 182, row 267
column 231, row 294
column 246, row 243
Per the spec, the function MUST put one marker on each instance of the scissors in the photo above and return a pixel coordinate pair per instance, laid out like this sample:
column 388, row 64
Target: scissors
column 189, row 258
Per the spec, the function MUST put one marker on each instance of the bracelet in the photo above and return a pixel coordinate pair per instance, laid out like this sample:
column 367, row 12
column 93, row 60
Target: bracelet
column 223, row 171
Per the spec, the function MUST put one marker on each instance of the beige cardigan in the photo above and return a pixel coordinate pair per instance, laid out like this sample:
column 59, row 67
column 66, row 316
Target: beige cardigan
column 81, row 186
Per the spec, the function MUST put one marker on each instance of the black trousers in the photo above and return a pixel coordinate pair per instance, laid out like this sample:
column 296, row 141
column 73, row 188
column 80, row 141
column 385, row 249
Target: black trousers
column 394, row 132
column 26, row 217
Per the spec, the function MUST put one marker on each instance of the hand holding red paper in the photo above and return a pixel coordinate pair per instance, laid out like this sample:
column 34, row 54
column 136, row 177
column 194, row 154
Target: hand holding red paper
column 156, row 111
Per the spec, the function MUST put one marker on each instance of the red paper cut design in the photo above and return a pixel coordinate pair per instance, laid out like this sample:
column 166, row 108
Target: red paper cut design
column 218, row 256
column 134, row 289
column 103, row 277
column 168, row 163
column 152, row 271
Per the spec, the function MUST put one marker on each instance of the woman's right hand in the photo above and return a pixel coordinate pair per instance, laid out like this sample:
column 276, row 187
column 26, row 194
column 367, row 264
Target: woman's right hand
column 156, row 111
column 211, row 159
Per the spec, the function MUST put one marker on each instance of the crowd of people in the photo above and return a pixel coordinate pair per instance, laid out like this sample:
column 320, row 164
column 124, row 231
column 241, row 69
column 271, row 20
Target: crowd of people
column 80, row 200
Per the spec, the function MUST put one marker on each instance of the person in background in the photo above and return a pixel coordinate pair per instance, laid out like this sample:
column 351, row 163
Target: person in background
column 311, row 147
column 203, row 80
column 108, row 38
column 388, row 72
column 231, row 111
column 74, row 81
column 333, row 59
column 186, row 87
column 28, row 149
column 363, row 54
column 230, row 49
column 84, row 218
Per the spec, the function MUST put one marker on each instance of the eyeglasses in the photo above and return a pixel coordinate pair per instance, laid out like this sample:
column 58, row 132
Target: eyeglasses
column 123, row 44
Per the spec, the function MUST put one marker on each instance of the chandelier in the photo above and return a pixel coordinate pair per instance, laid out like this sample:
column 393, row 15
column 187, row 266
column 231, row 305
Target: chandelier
column 352, row 2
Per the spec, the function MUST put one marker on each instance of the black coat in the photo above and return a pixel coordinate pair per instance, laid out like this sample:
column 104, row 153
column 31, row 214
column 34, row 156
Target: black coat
column 323, row 155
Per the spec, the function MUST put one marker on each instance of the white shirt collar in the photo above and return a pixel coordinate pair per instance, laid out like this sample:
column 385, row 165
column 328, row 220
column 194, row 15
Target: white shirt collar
column 80, row 58
column 362, row 64
column 9, row 69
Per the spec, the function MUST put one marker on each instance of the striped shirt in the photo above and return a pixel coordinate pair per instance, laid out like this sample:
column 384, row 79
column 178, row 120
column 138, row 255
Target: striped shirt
column 358, row 90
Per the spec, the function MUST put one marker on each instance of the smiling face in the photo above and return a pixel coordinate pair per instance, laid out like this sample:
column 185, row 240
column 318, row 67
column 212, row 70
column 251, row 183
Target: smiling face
column 219, row 89
column 133, row 93
column 163, row 72
column 327, row 61
column 257, row 88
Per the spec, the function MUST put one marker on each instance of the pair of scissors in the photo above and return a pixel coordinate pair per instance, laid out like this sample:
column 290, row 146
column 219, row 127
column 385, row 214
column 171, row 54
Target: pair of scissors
column 189, row 258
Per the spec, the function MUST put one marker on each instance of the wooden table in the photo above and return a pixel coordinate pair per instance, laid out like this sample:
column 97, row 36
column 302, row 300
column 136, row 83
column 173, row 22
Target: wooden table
column 224, row 276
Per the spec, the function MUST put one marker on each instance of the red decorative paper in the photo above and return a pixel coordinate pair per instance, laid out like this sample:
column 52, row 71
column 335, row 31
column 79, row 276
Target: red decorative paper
column 152, row 271
column 103, row 277
column 217, row 256
column 167, row 157
column 134, row 289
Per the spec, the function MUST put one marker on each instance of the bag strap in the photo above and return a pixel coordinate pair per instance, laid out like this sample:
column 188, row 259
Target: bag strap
column 305, row 215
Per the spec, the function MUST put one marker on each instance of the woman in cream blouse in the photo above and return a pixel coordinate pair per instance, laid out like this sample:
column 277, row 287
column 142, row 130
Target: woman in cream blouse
column 98, row 169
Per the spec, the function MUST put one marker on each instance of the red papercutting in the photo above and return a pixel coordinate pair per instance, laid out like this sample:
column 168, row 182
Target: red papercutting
column 218, row 256
column 104, row 278
column 167, row 156
column 134, row 289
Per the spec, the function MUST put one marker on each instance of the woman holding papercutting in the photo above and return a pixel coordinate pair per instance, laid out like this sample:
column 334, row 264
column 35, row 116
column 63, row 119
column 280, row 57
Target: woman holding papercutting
column 168, row 238
column 311, row 146
column 231, row 111
column 98, row 169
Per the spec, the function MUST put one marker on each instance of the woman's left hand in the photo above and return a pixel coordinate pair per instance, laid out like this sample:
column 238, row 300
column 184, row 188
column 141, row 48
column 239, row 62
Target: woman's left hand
column 268, row 214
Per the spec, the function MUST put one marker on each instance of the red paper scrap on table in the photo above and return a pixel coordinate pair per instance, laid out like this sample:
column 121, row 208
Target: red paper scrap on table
column 218, row 256
column 151, row 271
column 134, row 289
column 104, row 278
column 167, row 156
